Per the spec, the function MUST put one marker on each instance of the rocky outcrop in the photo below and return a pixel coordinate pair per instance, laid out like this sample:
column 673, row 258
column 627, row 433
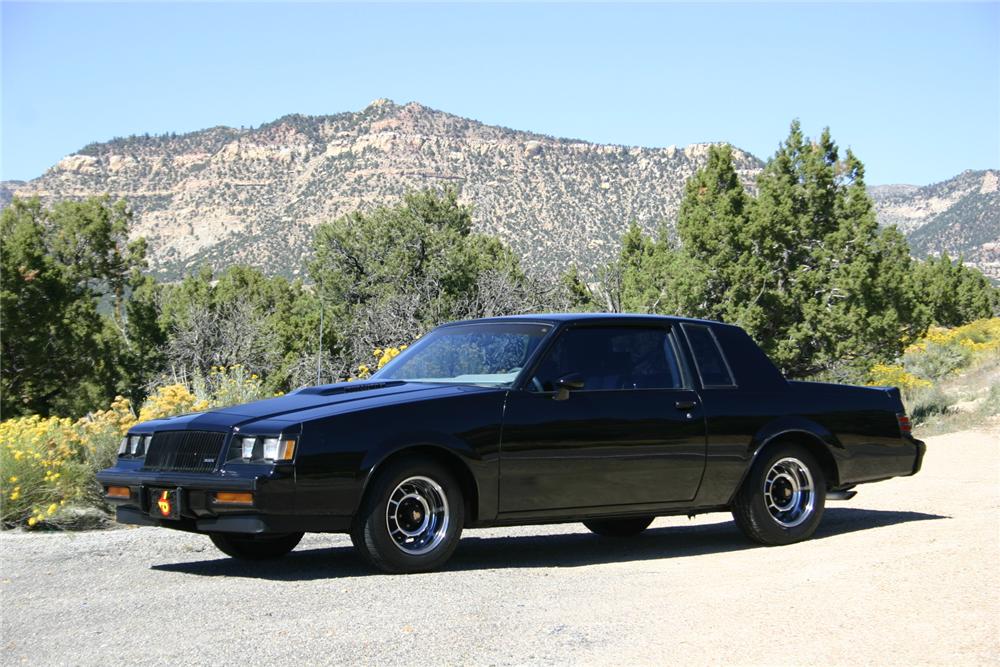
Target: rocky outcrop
column 226, row 195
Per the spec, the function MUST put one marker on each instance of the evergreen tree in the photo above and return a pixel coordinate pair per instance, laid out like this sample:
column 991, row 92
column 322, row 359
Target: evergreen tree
column 722, row 264
column 58, row 265
column 388, row 274
column 803, row 265
column 578, row 295
column 267, row 325
column 653, row 276
column 954, row 293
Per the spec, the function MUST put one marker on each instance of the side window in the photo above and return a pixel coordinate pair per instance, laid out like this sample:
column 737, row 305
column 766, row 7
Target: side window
column 712, row 366
column 611, row 358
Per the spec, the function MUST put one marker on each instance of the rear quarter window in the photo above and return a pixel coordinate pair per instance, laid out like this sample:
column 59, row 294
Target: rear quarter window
column 708, row 357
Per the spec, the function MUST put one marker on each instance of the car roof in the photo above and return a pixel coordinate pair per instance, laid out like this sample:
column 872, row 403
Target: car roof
column 558, row 318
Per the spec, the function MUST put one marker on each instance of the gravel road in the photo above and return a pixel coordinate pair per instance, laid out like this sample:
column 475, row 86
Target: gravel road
column 906, row 573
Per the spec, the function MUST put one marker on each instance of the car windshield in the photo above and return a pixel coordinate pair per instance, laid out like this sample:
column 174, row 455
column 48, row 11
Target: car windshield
column 490, row 353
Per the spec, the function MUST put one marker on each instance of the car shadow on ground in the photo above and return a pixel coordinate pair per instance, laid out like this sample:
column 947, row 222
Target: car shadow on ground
column 556, row 550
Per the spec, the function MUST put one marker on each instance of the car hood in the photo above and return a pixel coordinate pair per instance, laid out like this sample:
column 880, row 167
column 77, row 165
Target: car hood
column 307, row 403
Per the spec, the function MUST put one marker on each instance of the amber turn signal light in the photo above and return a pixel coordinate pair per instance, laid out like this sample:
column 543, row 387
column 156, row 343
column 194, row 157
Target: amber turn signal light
column 234, row 498
column 287, row 449
column 119, row 492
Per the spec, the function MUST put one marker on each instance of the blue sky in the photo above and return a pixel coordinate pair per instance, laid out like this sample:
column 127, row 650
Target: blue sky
column 914, row 89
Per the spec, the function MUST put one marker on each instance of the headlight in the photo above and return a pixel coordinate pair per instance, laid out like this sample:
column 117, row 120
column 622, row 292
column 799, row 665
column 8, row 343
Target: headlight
column 265, row 449
column 134, row 446
column 270, row 447
column 247, row 447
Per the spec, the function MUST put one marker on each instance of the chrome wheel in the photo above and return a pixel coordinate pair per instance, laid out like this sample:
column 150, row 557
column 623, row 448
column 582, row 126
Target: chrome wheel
column 417, row 515
column 789, row 492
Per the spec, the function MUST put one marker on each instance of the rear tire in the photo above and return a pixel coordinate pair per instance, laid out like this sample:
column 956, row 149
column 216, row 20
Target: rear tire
column 782, row 498
column 627, row 527
column 255, row 547
column 411, row 517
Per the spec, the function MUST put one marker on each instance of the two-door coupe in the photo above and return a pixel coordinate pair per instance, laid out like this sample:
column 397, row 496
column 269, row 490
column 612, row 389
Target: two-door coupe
column 606, row 419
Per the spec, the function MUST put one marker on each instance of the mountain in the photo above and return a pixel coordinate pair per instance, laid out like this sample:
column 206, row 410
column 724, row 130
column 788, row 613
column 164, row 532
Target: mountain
column 960, row 216
column 225, row 195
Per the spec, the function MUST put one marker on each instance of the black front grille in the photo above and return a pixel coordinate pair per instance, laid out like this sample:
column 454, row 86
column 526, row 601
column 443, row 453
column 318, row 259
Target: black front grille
column 189, row 451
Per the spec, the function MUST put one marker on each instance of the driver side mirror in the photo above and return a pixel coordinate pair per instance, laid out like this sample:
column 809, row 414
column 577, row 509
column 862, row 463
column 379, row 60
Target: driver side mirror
column 567, row 383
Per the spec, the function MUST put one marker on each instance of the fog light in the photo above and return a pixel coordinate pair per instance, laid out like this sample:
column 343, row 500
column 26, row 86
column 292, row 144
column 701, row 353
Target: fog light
column 119, row 492
column 231, row 498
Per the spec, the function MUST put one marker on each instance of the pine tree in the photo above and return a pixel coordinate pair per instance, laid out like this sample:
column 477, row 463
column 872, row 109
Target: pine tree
column 60, row 353
column 954, row 293
column 803, row 266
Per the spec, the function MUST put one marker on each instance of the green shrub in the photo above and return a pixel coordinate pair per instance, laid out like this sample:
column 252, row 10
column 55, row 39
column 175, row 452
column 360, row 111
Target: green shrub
column 937, row 360
column 928, row 403
column 991, row 406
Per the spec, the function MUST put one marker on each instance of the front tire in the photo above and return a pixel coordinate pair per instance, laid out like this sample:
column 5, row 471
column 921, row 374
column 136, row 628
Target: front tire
column 411, row 517
column 782, row 498
column 627, row 527
column 254, row 547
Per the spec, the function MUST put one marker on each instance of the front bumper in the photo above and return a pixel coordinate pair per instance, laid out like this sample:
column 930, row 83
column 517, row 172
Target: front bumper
column 273, row 509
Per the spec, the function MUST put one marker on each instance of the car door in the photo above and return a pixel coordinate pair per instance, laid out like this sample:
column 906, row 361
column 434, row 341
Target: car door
column 632, row 434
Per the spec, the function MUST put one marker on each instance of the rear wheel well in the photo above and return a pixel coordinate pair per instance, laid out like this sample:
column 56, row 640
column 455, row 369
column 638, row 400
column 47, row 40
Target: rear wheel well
column 814, row 446
column 451, row 461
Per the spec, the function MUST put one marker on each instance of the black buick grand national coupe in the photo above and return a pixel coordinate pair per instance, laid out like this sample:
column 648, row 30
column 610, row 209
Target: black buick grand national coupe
column 606, row 419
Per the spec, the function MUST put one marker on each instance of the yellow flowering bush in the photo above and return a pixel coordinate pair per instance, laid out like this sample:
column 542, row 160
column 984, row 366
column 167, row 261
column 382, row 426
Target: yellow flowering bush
column 42, row 463
column 173, row 399
column 981, row 336
column 382, row 357
column 228, row 385
column 939, row 353
column 47, row 463
column 894, row 375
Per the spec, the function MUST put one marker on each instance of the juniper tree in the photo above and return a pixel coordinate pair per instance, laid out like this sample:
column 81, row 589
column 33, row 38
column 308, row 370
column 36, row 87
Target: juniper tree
column 802, row 265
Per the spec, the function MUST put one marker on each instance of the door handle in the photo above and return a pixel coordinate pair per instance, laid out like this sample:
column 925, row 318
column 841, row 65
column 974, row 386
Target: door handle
column 685, row 405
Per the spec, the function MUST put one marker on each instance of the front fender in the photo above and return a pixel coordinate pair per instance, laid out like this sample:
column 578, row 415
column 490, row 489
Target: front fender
column 480, row 474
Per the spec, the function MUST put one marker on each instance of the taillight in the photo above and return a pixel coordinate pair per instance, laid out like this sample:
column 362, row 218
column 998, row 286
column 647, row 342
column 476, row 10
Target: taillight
column 904, row 423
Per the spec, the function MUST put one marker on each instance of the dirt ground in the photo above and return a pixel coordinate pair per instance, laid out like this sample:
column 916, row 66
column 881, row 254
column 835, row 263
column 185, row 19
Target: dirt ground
column 906, row 573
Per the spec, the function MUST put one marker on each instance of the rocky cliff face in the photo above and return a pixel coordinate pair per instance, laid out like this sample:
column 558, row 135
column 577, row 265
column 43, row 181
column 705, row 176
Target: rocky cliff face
column 960, row 216
column 224, row 195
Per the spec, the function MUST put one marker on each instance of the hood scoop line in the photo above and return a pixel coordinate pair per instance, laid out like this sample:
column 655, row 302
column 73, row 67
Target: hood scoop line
column 347, row 388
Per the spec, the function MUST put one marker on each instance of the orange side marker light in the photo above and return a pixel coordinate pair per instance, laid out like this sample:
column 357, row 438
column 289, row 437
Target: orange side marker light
column 231, row 498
